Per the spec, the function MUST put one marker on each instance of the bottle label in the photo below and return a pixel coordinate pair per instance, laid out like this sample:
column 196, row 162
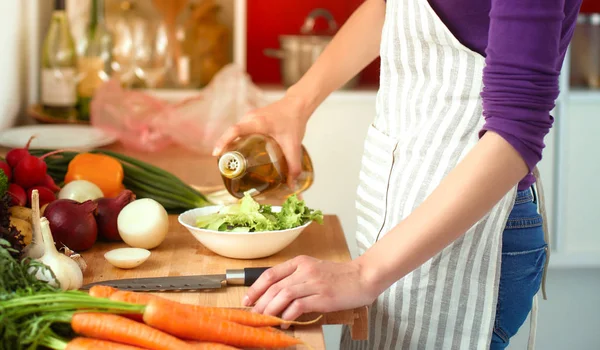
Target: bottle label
column 59, row 86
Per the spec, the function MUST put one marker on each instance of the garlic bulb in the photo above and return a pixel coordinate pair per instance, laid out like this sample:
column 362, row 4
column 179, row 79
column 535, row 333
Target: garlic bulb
column 66, row 271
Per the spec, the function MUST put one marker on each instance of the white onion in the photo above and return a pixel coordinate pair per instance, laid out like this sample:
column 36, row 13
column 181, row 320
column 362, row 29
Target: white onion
column 80, row 191
column 143, row 223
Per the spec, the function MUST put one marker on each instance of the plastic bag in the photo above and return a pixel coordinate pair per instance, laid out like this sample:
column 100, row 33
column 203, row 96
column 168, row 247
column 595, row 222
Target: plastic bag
column 146, row 123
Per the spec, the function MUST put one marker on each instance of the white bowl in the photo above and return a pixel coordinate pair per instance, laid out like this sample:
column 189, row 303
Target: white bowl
column 239, row 245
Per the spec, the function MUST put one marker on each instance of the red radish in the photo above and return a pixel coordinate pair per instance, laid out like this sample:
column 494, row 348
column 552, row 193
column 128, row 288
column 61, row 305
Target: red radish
column 14, row 156
column 73, row 223
column 6, row 168
column 46, row 195
column 30, row 171
column 108, row 212
column 50, row 184
column 18, row 197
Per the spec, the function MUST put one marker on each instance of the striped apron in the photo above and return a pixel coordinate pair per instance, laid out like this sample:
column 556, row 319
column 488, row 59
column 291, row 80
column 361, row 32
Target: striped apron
column 429, row 113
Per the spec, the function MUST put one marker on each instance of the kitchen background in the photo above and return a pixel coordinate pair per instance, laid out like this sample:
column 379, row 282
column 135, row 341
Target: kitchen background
column 211, row 34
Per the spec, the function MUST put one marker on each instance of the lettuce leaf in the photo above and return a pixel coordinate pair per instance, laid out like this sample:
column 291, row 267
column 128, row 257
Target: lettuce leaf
column 248, row 216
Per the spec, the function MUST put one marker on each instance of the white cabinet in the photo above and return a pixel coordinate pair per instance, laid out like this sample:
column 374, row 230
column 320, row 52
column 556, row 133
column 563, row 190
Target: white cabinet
column 575, row 165
column 582, row 178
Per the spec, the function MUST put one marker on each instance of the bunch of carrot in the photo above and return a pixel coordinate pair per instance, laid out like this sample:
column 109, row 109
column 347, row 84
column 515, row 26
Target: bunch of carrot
column 166, row 324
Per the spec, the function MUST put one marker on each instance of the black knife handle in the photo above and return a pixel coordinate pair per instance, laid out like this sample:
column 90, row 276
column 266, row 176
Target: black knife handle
column 251, row 274
column 244, row 277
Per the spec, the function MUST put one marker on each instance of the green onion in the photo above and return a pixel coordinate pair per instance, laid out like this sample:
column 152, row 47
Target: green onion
column 143, row 179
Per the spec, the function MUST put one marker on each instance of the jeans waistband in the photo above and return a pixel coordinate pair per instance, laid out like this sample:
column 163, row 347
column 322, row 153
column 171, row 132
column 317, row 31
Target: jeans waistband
column 525, row 196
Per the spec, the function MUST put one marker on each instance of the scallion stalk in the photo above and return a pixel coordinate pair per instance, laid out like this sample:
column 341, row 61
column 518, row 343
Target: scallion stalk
column 143, row 179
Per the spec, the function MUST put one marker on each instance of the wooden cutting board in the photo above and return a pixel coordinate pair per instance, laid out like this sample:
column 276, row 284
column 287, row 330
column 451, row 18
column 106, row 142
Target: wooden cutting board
column 181, row 254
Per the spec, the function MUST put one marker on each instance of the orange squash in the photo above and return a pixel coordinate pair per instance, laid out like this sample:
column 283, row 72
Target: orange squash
column 104, row 171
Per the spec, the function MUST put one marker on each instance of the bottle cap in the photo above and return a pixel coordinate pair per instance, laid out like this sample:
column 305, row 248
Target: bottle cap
column 232, row 164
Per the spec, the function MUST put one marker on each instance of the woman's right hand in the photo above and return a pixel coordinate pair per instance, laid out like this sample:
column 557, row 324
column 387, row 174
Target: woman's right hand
column 283, row 120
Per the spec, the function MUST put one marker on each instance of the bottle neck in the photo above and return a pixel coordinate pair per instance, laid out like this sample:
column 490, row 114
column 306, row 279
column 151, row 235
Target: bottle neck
column 232, row 165
column 97, row 13
column 59, row 5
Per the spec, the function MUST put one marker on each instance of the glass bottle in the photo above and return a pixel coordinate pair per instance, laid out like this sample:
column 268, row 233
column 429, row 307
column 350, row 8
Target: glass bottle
column 256, row 163
column 208, row 41
column 94, row 66
column 59, row 67
column 127, row 26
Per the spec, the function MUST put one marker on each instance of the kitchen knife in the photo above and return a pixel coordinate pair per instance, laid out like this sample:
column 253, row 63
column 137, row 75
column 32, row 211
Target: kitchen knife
column 239, row 277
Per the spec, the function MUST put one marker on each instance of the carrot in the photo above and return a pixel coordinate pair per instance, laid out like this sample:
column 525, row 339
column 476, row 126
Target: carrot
column 100, row 291
column 123, row 330
column 210, row 346
column 247, row 318
column 240, row 316
column 134, row 297
column 81, row 343
column 188, row 323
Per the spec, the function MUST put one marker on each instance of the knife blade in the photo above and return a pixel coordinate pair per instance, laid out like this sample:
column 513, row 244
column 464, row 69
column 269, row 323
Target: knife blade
column 241, row 277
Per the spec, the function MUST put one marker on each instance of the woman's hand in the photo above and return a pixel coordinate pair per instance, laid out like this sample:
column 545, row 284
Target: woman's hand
column 284, row 120
column 304, row 284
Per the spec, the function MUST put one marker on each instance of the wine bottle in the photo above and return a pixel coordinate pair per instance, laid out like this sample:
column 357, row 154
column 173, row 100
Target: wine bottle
column 59, row 67
column 94, row 65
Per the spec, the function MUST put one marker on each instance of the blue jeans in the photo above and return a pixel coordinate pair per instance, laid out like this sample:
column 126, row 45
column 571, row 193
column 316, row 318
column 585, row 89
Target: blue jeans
column 523, row 258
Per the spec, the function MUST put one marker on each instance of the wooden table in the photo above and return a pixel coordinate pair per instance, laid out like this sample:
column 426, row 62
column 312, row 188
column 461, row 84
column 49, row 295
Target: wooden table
column 181, row 254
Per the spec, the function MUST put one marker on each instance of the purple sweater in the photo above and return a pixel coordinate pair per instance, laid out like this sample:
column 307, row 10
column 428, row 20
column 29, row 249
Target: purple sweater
column 524, row 44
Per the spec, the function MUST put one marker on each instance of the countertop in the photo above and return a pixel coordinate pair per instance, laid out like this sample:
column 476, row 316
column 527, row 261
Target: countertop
column 181, row 254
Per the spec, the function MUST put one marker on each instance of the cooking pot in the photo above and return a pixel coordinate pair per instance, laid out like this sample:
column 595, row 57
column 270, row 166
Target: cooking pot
column 298, row 52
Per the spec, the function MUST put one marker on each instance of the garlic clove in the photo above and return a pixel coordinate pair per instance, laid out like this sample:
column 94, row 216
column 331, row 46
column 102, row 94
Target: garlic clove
column 75, row 257
column 127, row 258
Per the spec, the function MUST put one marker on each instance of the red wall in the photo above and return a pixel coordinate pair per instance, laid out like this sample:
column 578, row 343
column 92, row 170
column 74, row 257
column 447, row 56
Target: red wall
column 267, row 19
column 590, row 6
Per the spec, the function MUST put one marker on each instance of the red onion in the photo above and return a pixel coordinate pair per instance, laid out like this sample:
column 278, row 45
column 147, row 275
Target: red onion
column 108, row 212
column 73, row 223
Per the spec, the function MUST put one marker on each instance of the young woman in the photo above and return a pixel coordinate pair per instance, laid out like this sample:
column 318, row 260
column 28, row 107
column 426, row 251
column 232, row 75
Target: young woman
column 452, row 247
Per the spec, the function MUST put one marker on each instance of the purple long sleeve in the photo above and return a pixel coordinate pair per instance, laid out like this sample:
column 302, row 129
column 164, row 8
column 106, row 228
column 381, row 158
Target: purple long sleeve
column 526, row 46
column 524, row 43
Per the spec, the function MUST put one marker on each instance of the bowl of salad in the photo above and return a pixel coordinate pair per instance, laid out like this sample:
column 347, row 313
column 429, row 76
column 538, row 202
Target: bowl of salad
column 247, row 229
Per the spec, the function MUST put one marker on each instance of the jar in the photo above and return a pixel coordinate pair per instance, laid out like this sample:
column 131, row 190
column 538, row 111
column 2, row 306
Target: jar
column 204, row 42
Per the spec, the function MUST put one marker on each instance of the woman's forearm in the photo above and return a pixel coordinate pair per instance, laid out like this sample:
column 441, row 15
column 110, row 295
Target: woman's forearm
column 354, row 46
column 468, row 192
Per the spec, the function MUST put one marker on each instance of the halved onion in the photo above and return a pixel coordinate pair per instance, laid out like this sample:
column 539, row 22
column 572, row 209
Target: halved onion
column 127, row 258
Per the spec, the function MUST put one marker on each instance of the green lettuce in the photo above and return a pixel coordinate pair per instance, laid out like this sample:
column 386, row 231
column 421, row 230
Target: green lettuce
column 249, row 216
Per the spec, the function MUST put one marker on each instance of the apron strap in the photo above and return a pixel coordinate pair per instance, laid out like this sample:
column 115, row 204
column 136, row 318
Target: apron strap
column 533, row 323
column 542, row 206
column 534, row 308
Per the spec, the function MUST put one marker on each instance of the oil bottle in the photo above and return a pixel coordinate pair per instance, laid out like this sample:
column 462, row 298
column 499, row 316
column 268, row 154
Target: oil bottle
column 256, row 163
